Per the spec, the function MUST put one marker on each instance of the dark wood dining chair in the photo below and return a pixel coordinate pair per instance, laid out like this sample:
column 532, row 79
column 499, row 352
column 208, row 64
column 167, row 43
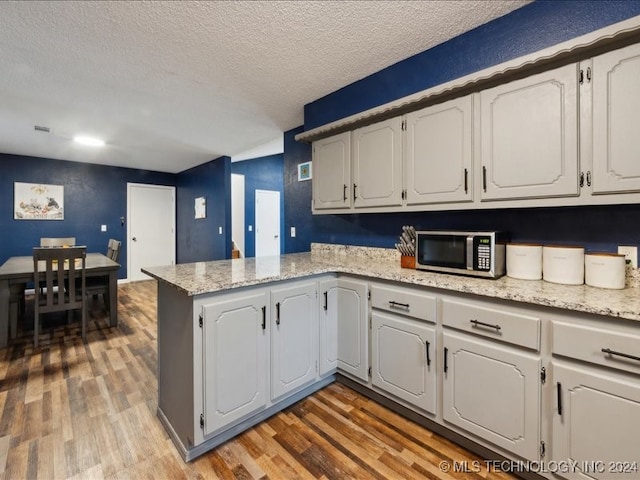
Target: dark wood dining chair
column 59, row 267
column 100, row 285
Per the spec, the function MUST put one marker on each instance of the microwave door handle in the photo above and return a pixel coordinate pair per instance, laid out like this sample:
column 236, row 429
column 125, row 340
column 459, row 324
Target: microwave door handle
column 470, row 252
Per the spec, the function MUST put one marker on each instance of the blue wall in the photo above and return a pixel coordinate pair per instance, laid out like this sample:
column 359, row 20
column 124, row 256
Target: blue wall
column 94, row 195
column 531, row 28
column 198, row 239
column 263, row 173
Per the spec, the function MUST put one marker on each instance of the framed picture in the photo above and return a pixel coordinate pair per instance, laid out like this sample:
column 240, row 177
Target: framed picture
column 36, row 201
column 304, row 171
column 200, row 207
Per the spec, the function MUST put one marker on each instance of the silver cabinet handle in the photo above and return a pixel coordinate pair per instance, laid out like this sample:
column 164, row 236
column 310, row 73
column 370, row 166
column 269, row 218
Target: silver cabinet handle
column 477, row 323
column 398, row 304
column 620, row 354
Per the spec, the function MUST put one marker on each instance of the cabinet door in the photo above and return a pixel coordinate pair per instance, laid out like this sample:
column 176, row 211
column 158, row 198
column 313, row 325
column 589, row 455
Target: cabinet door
column 616, row 103
column 493, row 392
column 235, row 336
column 403, row 359
column 328, row 319
column 294, row 337
column 529, row 136
column 377, row 164
column 439, row 153
column 596, row 423
column 344, row 328
column 332, row 172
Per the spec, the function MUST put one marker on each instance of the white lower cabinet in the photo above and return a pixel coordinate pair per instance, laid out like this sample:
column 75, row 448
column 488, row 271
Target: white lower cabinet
column 294, row 337
column 235, row 357
column 403, row 359
column 493, row 392
column 344, row 327
column 596, row 423
column 596, row 407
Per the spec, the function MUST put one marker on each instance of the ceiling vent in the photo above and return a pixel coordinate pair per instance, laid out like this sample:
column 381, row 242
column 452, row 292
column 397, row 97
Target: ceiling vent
column 38, row 128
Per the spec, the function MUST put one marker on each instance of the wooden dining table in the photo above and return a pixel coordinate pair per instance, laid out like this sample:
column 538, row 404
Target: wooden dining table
column 19, row 270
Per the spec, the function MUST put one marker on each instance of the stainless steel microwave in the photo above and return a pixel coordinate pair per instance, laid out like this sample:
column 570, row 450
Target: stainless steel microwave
column 480, row 254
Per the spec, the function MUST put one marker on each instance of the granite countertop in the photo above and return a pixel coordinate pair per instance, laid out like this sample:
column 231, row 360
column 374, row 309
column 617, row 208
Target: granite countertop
column 209, row 277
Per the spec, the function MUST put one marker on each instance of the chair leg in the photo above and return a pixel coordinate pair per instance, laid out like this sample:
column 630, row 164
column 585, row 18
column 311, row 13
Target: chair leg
column 36, row 321
column 84, row 322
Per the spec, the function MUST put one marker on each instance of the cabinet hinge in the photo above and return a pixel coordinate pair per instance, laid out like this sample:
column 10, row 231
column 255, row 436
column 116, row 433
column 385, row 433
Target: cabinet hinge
column 200, row 319
column 543, row 375
column 543, row 449
column 202, row 421
column 369, row 372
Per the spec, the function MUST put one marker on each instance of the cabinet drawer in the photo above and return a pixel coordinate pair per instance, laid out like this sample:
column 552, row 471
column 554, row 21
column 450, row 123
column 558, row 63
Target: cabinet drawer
column 586, row 343
column 496, row 323
column 404, row 301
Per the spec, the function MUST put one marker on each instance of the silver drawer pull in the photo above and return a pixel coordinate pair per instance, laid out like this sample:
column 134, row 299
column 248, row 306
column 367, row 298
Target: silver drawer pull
column 477, row 323
column 398, row 305
column 620, row 354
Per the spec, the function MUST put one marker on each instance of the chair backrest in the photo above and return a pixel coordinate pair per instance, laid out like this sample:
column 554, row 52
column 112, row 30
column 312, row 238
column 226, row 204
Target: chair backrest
column 58, row 242
column 113, row 249
column 61, row 268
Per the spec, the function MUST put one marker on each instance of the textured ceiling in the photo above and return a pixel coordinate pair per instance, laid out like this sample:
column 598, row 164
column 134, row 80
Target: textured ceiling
column 171, row 85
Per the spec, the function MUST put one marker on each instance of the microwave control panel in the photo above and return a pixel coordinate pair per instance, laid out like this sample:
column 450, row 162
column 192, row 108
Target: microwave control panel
column 482, row 253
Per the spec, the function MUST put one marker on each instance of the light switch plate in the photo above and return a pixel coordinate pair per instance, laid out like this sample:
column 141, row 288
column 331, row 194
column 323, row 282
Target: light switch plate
column 103, row 228
column 220, row 230
column 251, row 228
column 293, row 232
column 630, row 253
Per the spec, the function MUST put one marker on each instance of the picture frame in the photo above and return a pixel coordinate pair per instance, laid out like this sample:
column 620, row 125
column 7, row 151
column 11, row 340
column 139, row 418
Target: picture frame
column 38, row 201
column 200, row 207
column 304, row 171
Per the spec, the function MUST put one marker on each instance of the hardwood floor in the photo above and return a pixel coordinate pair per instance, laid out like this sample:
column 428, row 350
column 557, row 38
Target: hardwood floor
column 77, row 411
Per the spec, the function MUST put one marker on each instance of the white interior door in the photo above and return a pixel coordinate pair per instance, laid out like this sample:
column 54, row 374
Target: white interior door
column 237, row 211
column 150, row 228
column 267, row 223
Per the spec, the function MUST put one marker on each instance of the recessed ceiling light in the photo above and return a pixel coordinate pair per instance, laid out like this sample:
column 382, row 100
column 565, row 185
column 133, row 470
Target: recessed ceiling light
column 90, row 141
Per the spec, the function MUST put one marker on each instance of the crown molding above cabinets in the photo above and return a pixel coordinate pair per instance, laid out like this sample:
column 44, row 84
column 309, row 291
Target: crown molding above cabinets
column 575, row 50
column 558, row 137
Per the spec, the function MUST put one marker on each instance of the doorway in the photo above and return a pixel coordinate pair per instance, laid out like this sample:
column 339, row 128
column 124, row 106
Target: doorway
column 151, row 223
column 237, row 212
column 267, row 223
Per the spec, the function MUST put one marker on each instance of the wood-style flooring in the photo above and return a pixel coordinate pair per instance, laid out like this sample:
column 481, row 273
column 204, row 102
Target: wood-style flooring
column 88, row 411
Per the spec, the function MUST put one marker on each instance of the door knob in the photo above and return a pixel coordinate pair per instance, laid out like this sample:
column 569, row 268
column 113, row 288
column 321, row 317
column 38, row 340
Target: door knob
column 134, row 239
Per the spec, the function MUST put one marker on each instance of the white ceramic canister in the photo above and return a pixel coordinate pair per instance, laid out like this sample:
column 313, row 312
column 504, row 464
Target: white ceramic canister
column 604, row 270
column 524, row 261
column 563, row 264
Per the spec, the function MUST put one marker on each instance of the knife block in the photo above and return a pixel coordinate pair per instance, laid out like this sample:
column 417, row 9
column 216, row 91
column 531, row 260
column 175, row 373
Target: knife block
column 407, row 261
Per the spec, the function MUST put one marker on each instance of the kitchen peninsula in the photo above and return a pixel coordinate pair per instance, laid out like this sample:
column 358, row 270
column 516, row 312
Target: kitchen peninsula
column 239, row 340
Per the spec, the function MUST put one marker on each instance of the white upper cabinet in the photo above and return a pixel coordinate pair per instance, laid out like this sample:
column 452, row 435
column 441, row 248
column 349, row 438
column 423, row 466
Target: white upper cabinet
column 529, row 136
column 439, row 153
column 377, row 164
column 332, row 172
column 616, row 136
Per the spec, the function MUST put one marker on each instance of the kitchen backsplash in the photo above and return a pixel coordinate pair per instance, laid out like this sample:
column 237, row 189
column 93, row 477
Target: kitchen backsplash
column 392, row 255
